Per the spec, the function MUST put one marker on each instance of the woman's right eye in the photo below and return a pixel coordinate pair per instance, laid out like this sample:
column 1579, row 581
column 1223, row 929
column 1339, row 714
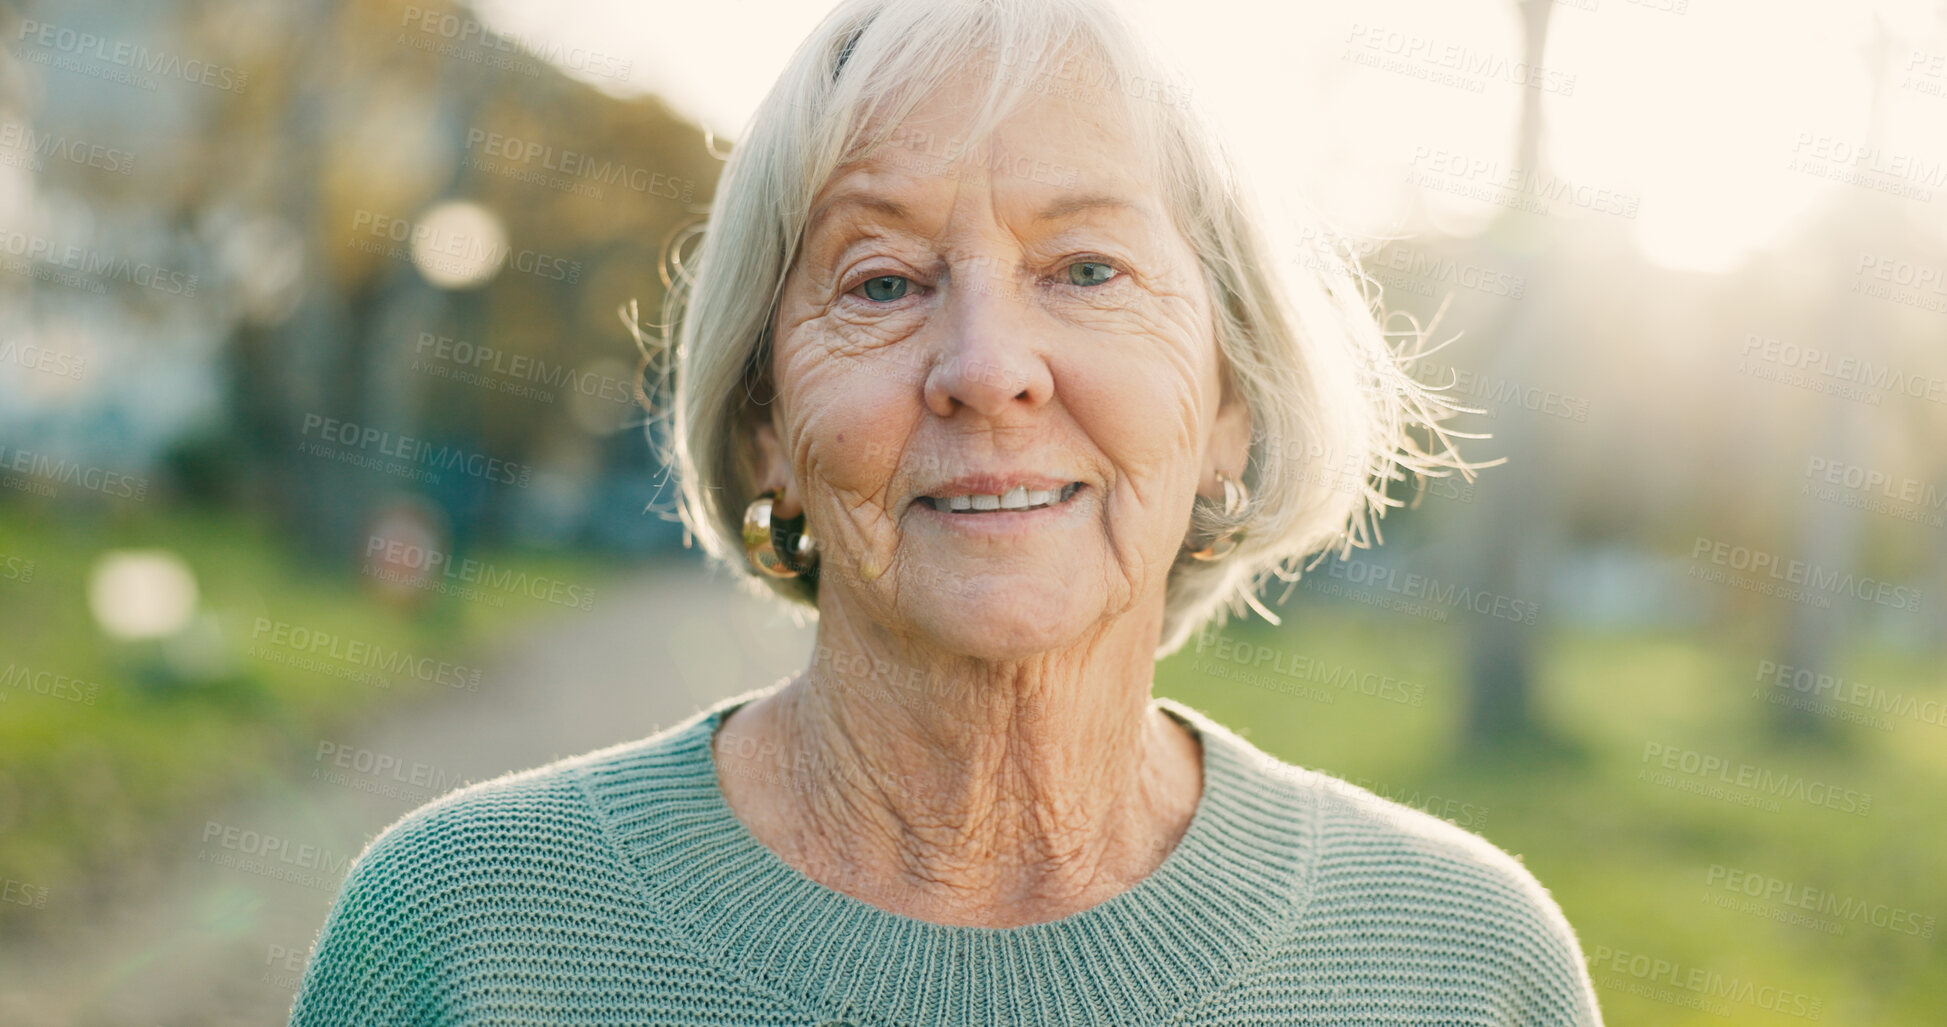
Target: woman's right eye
column 885, row 288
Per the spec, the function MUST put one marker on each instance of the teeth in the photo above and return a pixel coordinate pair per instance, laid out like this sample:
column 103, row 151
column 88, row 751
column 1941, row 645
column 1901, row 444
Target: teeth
column 1018, row 498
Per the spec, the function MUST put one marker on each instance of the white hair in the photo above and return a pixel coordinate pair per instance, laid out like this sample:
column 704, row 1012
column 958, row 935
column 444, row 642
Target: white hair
column 1333, row 408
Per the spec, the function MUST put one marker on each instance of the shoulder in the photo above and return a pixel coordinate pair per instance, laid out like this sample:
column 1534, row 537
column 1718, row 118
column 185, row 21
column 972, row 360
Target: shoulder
column 1413, row 880
column 1395, row 892
column 489, row 829
column 1365, row 835
column 537, row 805
column 478, row 870
column 495, row 822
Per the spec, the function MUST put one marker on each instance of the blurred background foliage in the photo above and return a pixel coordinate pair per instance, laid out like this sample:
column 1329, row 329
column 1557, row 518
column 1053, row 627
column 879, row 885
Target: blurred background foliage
column 256, row 311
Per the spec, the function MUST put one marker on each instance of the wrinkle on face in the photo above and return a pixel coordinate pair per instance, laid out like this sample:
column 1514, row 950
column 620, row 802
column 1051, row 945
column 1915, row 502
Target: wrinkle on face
column 1132, row 366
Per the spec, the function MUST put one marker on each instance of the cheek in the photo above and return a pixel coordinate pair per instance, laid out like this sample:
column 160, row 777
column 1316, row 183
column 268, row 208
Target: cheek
column 851, row 412
column 1137, row 389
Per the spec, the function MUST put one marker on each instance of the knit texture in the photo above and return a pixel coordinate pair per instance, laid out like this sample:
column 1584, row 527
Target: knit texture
column 618, row 887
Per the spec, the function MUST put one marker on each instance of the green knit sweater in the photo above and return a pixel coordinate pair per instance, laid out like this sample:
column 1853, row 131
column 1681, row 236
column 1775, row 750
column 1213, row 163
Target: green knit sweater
column 618, row 887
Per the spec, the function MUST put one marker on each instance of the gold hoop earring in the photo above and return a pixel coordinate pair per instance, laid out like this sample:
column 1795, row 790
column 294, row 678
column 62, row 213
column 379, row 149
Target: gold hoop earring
column 761, row 540
column 1236, row 497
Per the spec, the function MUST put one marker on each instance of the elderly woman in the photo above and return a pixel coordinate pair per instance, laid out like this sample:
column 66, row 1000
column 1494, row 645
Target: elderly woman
column 986, row 361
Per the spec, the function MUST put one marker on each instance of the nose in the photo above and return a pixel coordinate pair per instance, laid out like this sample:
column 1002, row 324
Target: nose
column 993, row 359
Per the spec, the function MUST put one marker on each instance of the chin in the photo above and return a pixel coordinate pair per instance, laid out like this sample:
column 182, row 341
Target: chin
column 1003, row 623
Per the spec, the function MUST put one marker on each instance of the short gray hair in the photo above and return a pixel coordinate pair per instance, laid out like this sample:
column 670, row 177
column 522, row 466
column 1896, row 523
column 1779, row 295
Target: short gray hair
column 1333, row 406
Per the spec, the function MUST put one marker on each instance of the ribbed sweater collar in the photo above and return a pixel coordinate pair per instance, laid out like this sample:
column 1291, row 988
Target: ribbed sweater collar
column 1239, row 875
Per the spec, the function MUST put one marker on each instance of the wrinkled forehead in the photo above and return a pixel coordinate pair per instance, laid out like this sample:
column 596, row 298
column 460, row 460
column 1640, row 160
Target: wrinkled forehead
column 1042, row 154
column 1014, row 111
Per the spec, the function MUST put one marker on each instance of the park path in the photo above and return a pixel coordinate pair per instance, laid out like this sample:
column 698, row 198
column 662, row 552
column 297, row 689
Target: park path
column 201, row 944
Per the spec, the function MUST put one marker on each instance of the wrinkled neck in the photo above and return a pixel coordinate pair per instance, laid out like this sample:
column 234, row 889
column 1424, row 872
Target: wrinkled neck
column 966, row 791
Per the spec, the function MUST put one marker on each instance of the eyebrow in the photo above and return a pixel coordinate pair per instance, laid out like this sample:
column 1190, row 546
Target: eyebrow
column 890, row 208
column 893, row 209
column 1068, row 208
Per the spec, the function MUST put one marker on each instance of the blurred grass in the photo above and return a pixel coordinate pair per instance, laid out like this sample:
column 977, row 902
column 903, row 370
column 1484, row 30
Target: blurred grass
column 1629, row 859
column 89, row 790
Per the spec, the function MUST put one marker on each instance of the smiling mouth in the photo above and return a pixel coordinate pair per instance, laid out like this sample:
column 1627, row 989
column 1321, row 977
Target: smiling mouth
column 1013, row 500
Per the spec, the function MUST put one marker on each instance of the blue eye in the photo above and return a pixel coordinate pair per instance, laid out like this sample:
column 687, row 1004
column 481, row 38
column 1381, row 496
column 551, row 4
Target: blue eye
column 885, row 288
column 1090, row 272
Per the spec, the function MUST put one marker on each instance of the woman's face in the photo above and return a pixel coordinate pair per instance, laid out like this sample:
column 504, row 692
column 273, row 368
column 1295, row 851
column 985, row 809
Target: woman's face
column 1023, row 326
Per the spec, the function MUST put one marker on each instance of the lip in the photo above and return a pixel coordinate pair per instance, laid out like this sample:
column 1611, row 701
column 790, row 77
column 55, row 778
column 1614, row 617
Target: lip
column 994, row 485
column 1006, row 522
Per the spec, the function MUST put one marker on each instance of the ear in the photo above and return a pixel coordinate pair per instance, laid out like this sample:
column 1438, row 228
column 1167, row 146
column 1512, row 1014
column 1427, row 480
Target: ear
column 1230, row 444
column 773, row 467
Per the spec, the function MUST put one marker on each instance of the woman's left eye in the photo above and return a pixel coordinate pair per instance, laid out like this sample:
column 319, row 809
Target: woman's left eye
column 1090, row 272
